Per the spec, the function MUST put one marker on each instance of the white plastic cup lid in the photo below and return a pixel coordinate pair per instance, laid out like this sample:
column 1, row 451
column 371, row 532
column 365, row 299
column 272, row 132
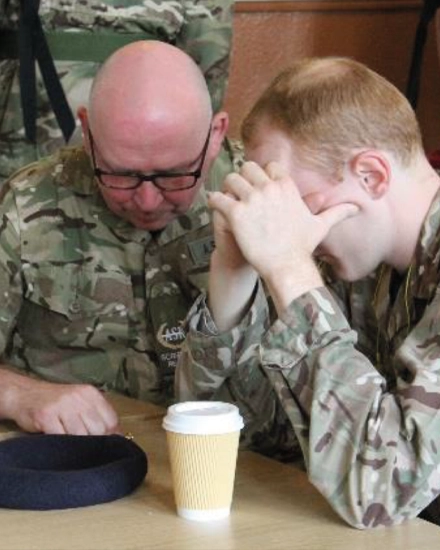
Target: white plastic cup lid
column 203, row 417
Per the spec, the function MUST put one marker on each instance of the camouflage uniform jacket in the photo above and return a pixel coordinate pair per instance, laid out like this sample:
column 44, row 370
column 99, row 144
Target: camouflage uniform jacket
column 202, row 28
column 87, row 297
column 357, row 375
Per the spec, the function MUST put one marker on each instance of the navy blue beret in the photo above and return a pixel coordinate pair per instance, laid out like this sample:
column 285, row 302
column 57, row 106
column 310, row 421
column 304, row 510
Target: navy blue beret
column 50, row 472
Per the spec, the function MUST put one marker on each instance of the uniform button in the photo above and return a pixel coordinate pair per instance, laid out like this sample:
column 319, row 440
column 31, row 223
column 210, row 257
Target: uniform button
column 75, row 307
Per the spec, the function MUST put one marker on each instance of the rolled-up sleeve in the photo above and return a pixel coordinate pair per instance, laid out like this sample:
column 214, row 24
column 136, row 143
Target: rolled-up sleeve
column 227, row 367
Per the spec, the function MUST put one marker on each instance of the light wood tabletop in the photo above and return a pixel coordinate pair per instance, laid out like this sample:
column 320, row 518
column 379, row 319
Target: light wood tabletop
column 133, row 409
column 274, row 507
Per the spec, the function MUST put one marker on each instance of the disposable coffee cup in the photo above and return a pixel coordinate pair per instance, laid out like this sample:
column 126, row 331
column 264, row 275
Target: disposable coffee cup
column 203, row 441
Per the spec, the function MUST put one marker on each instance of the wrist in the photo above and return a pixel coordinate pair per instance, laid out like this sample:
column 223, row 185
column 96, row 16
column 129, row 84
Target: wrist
column 289, row 281
column 230, row 292
column 232, row 266
column 12, row 387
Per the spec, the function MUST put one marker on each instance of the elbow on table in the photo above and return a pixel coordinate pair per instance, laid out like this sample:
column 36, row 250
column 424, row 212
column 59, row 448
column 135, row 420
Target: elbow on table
column 373, row 516
column 358, row 513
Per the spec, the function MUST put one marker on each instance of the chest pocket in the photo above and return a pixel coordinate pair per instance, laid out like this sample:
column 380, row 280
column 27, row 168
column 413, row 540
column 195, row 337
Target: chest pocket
column 75, row 306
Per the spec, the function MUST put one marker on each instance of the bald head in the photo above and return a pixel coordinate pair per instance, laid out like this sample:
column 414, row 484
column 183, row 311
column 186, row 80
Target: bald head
column 149, row 87
column 150, row 113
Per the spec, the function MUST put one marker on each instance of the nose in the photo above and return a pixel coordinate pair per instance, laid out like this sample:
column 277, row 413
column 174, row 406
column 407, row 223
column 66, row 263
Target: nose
column 148, row 197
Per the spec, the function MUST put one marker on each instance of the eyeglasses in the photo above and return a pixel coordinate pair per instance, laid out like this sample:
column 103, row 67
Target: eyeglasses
column 165, row 181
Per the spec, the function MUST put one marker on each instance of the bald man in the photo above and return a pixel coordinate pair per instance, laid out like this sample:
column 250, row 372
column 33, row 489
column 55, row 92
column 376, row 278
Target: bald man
column 105, row 247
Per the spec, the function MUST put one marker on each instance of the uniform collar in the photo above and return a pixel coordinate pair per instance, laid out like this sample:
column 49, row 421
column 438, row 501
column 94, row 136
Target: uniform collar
column 426, row 262
column 421, row 278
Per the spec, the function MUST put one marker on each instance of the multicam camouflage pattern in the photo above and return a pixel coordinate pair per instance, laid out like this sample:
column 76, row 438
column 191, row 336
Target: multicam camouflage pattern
column 203, row 28
column 357, row 376
column 85, row 296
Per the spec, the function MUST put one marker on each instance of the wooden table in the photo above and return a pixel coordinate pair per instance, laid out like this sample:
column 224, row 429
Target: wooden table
column 132, row 409
column 274, row 507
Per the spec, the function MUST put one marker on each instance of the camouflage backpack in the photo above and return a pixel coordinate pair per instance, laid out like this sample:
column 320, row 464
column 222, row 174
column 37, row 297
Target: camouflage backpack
column 68, row 40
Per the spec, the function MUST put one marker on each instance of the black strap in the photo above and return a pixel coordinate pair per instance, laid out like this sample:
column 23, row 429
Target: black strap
column 32, row 46
column 412, row 90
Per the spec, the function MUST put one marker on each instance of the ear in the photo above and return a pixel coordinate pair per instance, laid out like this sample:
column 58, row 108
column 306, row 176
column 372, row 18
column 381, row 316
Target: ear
column 84, row 119
column 373, row 172
column 219, row 127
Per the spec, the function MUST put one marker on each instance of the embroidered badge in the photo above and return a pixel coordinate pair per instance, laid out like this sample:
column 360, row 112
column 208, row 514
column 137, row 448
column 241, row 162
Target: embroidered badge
column 201, row 250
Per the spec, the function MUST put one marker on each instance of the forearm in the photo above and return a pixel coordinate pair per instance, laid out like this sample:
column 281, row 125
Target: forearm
column 291, row 281
column 230, row 292
column 360, row 455
column 224, row 367
column 13, row 388
column 368, row 451
column 209, row 357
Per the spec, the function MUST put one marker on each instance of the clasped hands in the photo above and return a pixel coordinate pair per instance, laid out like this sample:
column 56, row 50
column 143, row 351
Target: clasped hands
column 261, row 219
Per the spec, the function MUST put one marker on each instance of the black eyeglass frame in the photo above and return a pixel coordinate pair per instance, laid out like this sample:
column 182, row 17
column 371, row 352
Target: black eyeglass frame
column 150, row 177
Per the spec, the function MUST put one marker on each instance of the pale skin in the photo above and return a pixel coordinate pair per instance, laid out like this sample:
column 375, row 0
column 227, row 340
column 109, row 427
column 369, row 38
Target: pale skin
column 140, row 122
column 272, row 221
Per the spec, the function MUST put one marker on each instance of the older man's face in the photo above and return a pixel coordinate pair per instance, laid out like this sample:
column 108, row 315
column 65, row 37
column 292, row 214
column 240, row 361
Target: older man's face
column 154, row 203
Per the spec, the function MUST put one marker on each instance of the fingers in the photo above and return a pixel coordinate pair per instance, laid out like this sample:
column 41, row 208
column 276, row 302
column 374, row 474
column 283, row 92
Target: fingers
column 221, row 202
column 338, row 213
column 256, row 175
column 220, row 223
column 108, row 415
column 87, row 422
column 51, row 424
column 75, row 410
column 315, row 202
column 93, row 424
column 96, row 416
column 236, row 186
column 275, row 171
column 251, row 177
column 73, row 424
column 83, row 422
